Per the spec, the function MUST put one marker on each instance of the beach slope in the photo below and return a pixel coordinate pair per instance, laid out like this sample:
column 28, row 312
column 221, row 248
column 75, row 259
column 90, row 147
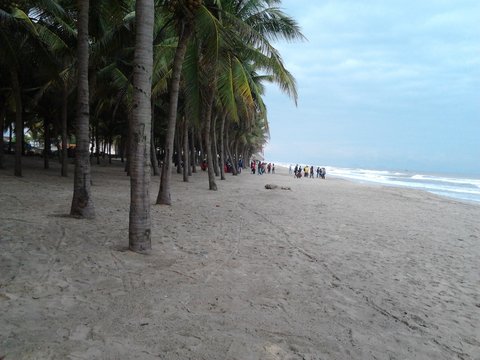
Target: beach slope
column 327, row 270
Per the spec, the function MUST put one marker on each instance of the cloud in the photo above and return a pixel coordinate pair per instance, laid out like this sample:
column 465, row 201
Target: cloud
column 373, row 66
column 461, row 17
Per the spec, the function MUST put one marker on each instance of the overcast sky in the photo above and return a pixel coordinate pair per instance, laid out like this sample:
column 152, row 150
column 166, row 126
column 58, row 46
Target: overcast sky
column 382, row 84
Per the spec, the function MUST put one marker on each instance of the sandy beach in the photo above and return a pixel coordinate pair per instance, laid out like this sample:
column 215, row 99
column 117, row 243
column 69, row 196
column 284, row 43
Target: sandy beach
column 330, row 269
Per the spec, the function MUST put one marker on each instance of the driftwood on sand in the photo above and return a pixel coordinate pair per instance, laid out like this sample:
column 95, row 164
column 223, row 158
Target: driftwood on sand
column 273, row 187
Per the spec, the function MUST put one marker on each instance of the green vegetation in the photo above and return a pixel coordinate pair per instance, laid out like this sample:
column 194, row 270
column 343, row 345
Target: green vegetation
column 205, row 63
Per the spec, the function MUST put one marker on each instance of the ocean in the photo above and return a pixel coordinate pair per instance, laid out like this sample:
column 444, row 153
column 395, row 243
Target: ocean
column 457, row 187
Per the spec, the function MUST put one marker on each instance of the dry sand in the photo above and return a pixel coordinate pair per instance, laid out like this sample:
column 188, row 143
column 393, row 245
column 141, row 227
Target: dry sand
column 328, row 270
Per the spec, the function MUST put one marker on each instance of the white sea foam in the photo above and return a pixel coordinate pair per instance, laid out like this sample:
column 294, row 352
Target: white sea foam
column 463, row 188
column 455, row 187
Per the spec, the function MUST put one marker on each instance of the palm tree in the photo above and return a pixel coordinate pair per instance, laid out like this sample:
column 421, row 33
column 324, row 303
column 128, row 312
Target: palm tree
column 24, row 36
column 220, row 29
column 184, row 23
column 15, row 31
column 82, row 202
column 217, row 48
column 199, row 87
column 60, row 43
column 245, row 31
column 140, row 223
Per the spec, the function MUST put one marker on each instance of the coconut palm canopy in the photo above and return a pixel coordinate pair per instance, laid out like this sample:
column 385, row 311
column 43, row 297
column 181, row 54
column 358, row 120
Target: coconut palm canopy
column 210, row 61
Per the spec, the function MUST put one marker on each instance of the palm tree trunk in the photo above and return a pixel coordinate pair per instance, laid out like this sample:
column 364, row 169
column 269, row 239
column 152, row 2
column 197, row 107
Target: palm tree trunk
column 153, row 156
column 18, row 122
column 82, row 203
column 208, row 140
column 64, row 171
column 47, row 146
column 140, row 221
column 235, row 162
column 121, row 148
column 201, row 155
column 128, row 145
column 215, row 147
column 192, row 151
column 153, row 150
column 222, row 146
column 3, row 112
column 245, row 157
column 96, row 137
column 10, row 137
column 189, row 155
column 164, row 196
column 186, row 166
column 178, row 152
column 229, row 153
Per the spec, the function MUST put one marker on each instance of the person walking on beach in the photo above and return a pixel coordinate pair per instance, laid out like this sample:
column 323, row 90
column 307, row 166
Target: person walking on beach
column 290, row 170
column 273, row 168
column 295, row 171
column 311, row 172
column 305, row 171
column 299, row 173
column 323, row 173
column 318, row 171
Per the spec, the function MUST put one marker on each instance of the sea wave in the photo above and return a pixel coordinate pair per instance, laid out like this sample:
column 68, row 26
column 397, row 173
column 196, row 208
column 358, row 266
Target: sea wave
column 467, row 188
column 448, row 180
column 460, row 188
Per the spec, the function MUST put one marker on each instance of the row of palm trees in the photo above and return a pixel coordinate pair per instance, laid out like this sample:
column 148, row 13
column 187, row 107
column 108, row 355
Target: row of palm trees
column 179, row 75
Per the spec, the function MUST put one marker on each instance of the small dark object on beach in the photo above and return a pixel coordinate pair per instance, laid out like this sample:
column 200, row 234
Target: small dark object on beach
column 273, row 186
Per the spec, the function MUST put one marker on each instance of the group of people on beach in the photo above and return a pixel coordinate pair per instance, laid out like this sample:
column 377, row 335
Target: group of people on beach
column 261, row 168
column 307, row 171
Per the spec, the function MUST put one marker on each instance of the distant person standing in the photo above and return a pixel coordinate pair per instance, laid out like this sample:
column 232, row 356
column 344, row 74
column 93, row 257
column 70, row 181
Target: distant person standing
column 318, row 171
column 323, row 173
column 290, row 170
column 311, row 172
column 273, row 168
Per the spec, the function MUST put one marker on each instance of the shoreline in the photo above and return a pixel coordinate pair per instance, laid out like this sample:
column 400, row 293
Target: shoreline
column 332, row 173
column 331, row 269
